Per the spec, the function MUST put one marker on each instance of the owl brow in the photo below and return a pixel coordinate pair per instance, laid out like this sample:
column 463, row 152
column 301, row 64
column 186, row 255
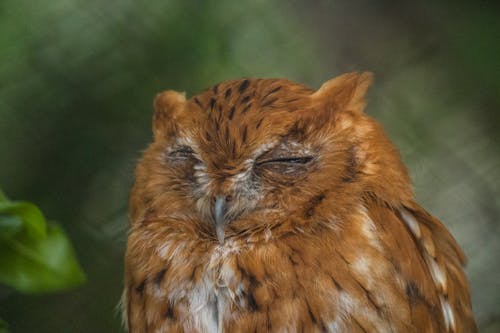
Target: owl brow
column 264, row 148
column 292, row 144
column 295, row 131
column 186, row 142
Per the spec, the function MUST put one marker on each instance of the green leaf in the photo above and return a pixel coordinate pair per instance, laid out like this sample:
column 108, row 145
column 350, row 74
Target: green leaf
column 34, row 256
column 4, row 327
column 3, row 197
column 32, row 217
column 39, row 265
column 10, row 225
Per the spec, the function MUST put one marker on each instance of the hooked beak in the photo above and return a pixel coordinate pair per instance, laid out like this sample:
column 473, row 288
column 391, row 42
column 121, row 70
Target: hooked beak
column 220, row 211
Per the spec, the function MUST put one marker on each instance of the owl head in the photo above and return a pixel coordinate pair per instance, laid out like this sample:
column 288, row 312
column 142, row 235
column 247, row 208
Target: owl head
column 251, row 156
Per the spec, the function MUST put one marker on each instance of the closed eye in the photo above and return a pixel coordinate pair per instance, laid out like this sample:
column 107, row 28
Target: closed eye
column 182, row 151
column 288, row 160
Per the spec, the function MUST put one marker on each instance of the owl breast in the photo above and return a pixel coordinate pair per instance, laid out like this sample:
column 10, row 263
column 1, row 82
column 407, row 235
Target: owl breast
column 276, row 282
column 218, row 293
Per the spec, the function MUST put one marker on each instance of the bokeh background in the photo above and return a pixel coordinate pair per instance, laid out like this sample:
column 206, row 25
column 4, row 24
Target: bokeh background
column 77, row 79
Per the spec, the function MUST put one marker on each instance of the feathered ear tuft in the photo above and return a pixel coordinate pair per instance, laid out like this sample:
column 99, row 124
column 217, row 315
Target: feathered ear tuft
column 346, row 92
column 167, row 106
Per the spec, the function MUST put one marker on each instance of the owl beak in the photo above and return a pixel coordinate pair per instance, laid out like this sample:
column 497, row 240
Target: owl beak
column 220, row 210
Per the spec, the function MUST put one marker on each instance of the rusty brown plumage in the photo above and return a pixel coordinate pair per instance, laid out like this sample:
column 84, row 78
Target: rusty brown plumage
column 265, row 206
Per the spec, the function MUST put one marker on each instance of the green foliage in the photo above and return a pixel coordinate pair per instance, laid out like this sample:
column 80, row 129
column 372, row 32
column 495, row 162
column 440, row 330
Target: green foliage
column 3, row 326
column 35, row 256
column 78, row 78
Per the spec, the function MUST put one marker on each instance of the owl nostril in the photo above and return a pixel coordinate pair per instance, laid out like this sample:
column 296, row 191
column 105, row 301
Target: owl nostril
column 229, row 198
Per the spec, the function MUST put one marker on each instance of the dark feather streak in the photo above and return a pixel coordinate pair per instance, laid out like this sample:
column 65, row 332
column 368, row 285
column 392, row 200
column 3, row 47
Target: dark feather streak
column 197, row 101
column 244, row 135
column 231, row 113
column 269, row 101
column 159, row 277
column 140, row 287
column 244, row 85
column 272, row 91
column 245, row 99
column 246, row 108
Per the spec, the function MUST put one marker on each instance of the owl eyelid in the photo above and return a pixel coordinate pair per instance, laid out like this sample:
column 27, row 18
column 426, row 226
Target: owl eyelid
column 183, row 152
column 289, row 160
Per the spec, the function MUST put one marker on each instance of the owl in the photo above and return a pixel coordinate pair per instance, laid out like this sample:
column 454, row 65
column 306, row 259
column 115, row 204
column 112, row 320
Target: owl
column 265, row 206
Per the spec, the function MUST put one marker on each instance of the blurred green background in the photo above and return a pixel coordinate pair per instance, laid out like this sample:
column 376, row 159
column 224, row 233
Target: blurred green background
column 77, row 80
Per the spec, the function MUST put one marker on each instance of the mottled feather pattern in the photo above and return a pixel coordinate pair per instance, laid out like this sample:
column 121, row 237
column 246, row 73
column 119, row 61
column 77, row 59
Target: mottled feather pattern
column 265, row 206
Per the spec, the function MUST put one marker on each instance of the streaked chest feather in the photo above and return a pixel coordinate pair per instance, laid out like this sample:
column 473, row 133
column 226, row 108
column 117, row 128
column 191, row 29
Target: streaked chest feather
column 325, row 285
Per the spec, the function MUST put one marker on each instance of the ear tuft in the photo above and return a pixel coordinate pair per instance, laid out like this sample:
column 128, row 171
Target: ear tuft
column 169, row 101
column 167, row 105
column 347, row 91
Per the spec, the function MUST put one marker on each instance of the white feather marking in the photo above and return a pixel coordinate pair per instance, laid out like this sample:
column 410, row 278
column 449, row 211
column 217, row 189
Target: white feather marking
column 411, row 222
column 268, row 234
column 438, row 275
column 203, row 179
column 242, row 176
column 262, row 148
column 449, row 317
column 210, row 299
column 222, row 251
column 203, row 307
column 335, row 326
column 157, row 291
column 200, row 167
column 186, row 140
column 369, row 229
column 345, row 305
column 226, row 276
column 362, row 265
column 349, row 306
column 165, row 250
column 122, row 305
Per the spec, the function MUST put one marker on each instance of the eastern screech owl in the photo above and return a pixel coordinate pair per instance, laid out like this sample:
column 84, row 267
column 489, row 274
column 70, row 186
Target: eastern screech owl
column 265, row 206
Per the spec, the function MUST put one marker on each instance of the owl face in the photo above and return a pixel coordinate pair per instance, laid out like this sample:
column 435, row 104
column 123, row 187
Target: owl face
column 233, row 156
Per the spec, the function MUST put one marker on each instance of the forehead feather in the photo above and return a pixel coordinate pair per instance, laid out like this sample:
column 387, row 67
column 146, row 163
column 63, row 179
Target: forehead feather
column 245, row 95
column 234, row 118
column 252, row 103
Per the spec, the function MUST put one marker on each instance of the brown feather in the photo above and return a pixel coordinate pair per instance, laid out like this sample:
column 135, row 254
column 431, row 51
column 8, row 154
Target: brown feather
column 321, row 232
